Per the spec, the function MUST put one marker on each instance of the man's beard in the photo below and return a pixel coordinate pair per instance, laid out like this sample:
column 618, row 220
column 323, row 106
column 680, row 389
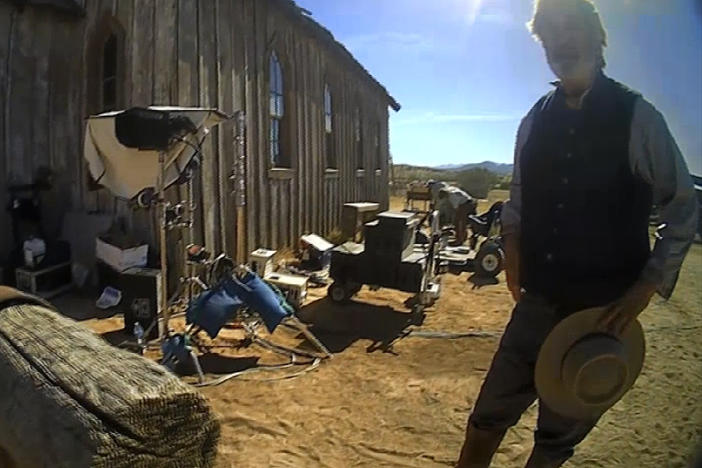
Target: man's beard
column 572, row 68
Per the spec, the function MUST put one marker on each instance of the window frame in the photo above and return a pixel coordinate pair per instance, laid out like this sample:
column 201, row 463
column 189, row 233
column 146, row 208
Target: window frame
column 331, row 161
column 111, row 79
column 278, row 157
column 358, row 139
column 378, row 147
column 106, row 30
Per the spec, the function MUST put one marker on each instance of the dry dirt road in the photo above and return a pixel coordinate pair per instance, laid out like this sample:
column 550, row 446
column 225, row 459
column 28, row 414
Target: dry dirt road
column 406, row 406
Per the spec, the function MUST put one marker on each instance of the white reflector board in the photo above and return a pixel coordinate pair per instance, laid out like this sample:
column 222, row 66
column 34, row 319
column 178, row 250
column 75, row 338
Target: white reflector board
column 127, row 171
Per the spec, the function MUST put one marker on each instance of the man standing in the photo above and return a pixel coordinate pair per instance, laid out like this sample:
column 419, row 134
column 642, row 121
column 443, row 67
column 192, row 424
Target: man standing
column 592, row 156
column 455, row 205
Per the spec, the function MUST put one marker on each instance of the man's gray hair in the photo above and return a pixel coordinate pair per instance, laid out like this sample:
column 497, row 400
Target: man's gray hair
column 585, row 8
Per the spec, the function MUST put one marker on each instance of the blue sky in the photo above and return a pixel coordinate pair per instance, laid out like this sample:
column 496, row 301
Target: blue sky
column 466, row 71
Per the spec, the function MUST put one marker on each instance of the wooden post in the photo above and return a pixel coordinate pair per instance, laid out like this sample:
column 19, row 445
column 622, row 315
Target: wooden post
column 240, row 185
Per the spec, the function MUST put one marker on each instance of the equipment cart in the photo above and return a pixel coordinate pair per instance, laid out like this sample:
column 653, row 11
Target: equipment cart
column 388, row 258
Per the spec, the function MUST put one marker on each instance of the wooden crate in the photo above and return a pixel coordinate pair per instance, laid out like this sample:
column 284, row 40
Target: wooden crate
column 47, row 282
column 354, row 216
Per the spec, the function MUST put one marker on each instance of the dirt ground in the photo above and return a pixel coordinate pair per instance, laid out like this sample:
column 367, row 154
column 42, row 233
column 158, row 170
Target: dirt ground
column 406, row 405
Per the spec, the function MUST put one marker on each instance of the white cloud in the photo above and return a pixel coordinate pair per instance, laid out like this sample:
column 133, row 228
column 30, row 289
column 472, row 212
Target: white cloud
column 399, row 41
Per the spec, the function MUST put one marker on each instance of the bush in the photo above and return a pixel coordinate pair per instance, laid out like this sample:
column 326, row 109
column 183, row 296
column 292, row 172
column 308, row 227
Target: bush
column 477, row 182
column 504, row 184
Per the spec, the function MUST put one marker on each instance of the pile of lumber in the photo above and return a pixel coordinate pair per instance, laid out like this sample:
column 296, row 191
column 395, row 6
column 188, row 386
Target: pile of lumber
column 69, row 399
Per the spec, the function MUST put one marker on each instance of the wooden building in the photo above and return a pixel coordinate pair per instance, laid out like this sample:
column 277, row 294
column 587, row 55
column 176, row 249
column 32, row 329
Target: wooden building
column 316, row 120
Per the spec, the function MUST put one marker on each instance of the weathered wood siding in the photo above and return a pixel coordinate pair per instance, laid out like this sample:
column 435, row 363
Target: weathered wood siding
column 308, row 197
column 191, row 53
column 40, row 109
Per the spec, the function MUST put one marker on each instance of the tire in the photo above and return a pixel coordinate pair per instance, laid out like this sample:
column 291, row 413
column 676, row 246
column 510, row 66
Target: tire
column 337, row 292
column 490, row 260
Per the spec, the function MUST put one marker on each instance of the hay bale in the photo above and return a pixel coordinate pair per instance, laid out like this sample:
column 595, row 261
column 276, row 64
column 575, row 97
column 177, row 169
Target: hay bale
column 69, row 399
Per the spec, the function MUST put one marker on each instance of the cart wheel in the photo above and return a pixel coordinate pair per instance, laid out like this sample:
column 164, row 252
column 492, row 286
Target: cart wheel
column 337, row 292
column 489, row 260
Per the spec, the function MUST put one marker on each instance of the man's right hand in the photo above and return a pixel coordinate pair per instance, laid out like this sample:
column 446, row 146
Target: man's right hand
column 512, row 266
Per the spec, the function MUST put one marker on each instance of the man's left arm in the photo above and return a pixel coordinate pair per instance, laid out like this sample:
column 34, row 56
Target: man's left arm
column 656, row 158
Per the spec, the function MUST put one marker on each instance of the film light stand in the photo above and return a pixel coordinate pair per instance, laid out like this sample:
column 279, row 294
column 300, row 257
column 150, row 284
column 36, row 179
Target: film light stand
column 170, row 218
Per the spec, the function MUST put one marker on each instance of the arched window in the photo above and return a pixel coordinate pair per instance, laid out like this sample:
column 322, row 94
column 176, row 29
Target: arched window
column 328, row 128
column 106, row 70
column 277, row 111
column 358, row 137
column 109, row 73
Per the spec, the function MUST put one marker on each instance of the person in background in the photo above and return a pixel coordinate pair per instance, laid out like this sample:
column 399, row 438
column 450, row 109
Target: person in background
column 454, row 205
column 592, row 157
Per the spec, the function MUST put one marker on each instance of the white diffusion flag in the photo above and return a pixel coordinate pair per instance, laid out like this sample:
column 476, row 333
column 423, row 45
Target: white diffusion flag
column 126, row 171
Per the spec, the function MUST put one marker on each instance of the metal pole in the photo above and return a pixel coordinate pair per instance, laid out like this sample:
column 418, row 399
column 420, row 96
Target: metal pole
column 240, row 185
column 163, row 313
column 187, row 267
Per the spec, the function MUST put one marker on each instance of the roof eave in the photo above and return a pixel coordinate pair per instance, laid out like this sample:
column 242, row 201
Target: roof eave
column 325, row 34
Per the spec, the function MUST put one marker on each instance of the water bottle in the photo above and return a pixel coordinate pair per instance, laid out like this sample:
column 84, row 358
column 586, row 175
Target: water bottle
column 139, row 334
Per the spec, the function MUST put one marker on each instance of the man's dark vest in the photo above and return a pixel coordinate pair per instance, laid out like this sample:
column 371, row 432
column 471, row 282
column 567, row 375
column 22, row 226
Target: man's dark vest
column 584, row 233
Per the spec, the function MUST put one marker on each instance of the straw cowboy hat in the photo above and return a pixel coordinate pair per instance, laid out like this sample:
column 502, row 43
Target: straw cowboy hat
column 581, row 371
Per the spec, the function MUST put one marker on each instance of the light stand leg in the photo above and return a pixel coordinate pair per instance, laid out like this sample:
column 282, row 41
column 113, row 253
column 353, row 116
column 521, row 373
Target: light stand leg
column 198, row 368
column 310, row 336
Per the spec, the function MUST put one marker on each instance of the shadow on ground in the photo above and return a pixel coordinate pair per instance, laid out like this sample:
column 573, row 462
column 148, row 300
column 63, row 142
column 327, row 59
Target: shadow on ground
column 80, row 306
column 117, row 337
column 338, row 326
column 479, row 281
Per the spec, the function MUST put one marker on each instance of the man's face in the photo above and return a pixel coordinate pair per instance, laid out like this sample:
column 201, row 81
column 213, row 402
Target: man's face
column 572, row 49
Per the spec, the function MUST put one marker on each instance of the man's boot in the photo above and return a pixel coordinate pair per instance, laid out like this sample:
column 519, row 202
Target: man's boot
column 479, row 447
column 538, row 459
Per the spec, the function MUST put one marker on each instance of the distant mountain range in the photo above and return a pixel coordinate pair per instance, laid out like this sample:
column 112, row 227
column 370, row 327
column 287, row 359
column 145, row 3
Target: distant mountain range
column 499, row 168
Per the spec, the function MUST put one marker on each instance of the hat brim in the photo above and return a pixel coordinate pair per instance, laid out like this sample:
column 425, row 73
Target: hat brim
column 547, row 374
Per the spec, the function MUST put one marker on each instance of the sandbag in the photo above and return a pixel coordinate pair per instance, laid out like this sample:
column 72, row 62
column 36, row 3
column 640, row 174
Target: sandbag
column 260, row 296
column 69, row 399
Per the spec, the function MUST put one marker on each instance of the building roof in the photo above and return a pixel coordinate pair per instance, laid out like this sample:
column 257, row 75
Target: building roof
column 75, row 7
column 325, row 35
